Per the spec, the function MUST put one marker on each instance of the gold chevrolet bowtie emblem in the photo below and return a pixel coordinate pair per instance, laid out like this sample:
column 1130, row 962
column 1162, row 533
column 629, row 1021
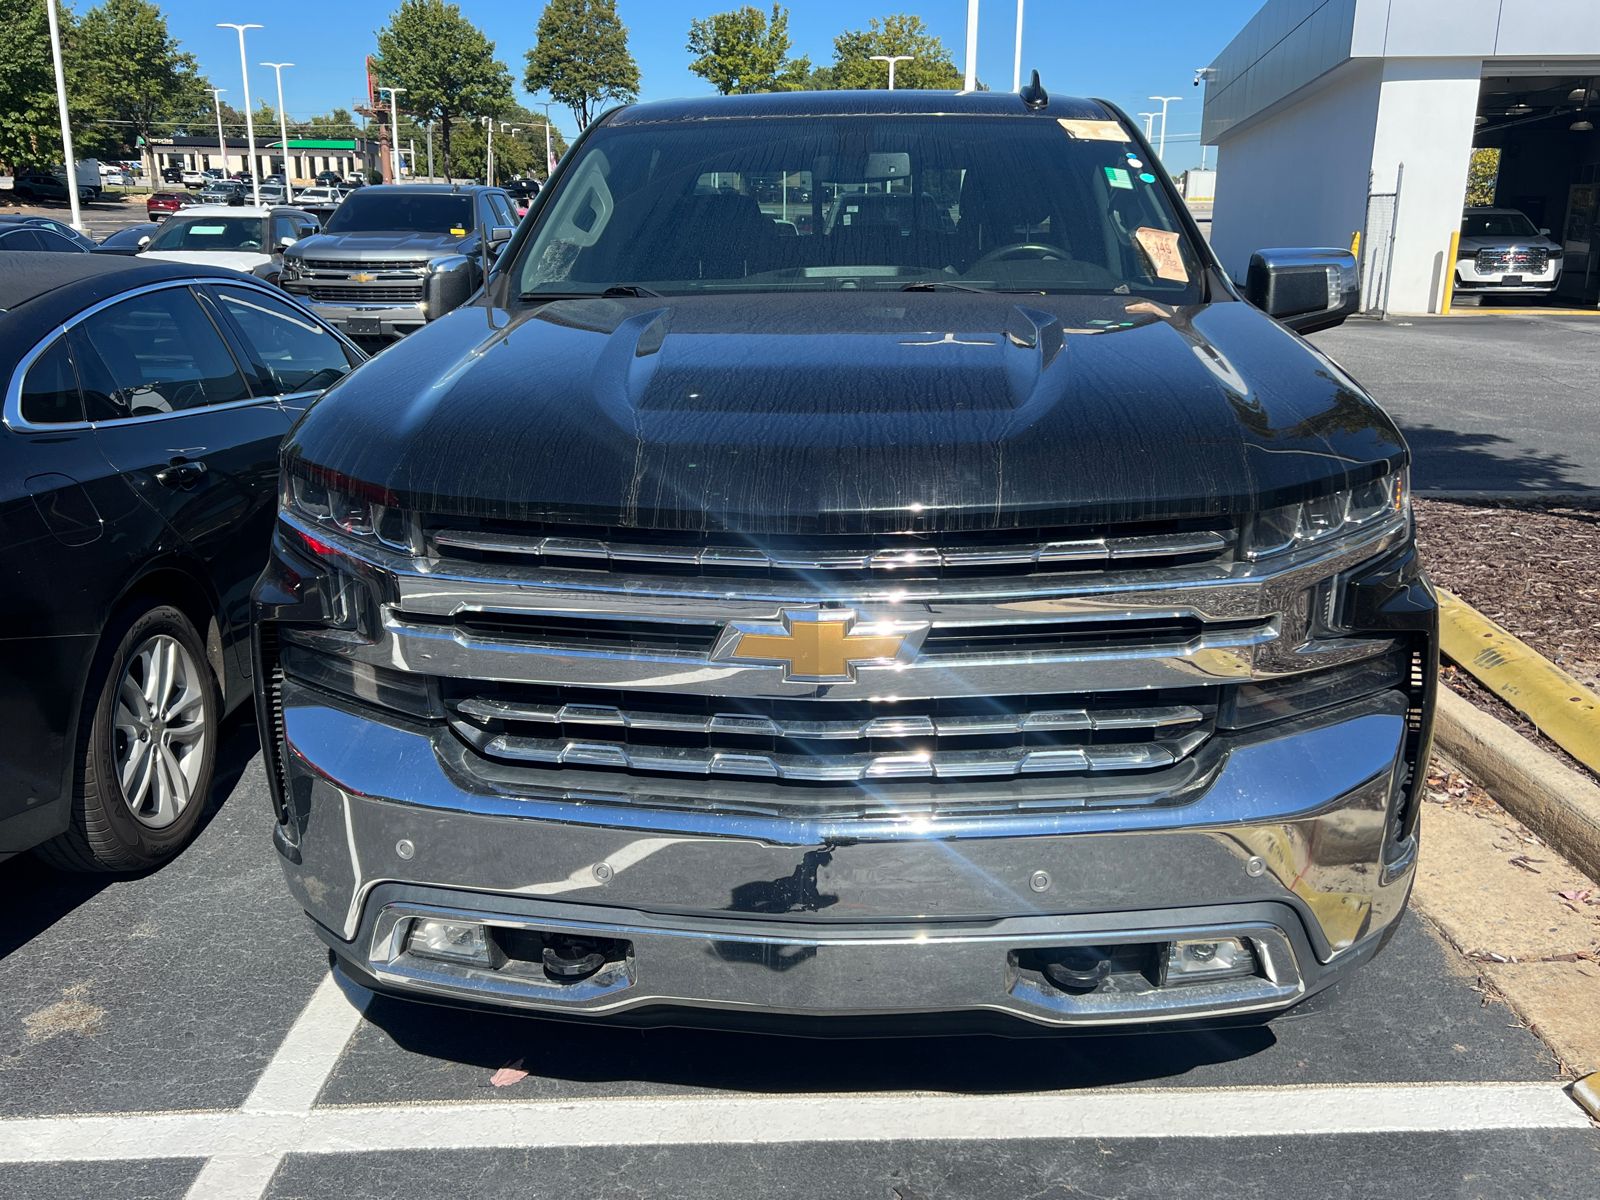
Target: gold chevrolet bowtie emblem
column 362, row 277
column 819, row 645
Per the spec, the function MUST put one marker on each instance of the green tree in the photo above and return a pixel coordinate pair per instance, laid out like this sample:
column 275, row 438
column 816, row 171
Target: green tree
column 132, row 77
column 931, row 65
column 745, row 51
column 581, row 59
column 445, row 63
column 515, row 154
column 30, row 130
column 1482, row 174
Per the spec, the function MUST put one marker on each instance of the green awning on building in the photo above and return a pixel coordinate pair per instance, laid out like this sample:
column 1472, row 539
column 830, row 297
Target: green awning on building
column 346, row 144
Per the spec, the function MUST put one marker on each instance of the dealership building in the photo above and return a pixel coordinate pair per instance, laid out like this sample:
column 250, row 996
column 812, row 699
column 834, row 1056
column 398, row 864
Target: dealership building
column 1334, row 118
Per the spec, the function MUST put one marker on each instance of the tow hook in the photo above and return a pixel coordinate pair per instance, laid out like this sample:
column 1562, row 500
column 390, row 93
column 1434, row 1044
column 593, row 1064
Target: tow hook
column 1076, row 968
column 570, row 959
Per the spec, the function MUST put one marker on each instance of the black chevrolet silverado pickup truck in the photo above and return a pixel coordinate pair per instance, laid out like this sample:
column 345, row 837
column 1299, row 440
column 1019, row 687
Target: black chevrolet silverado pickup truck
column 860, row 561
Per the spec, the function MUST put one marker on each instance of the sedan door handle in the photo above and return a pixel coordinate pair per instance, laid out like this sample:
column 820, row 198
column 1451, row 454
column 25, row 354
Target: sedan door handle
column 181, row 474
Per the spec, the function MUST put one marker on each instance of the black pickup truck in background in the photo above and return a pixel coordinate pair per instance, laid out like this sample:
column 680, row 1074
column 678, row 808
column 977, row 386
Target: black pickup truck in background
column 863, row 558
column 392, row 258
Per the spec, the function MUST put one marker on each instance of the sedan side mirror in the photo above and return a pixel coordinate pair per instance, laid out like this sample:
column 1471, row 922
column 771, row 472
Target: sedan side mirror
column 1305, row 289
column 285, row 242
column 144, row 242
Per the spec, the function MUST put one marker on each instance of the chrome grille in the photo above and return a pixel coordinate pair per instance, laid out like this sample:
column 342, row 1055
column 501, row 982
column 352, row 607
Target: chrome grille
column 356, row 264
column 986, row 552
column 404, row 293
column 806, row 742
column 1497, row 260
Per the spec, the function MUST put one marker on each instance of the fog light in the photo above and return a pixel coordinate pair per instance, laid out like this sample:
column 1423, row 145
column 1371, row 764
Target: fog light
column 1216, row 958
column 453, row 941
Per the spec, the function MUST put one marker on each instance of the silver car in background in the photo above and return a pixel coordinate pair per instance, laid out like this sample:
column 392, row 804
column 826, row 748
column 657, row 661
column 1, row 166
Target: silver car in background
column 1503, row 254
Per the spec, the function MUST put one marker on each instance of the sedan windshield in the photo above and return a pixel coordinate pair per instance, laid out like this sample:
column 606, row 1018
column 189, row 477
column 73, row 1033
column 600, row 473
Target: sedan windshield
column 743, row 204
column 403, row 212
column 1499, row 224
column 209, row 233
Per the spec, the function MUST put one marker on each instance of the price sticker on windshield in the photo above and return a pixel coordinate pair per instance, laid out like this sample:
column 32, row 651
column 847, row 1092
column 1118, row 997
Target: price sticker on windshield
column 1094, row 131
column 1160, row 246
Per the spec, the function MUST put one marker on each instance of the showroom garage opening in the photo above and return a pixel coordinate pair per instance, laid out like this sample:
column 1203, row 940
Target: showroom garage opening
column 1334, row 118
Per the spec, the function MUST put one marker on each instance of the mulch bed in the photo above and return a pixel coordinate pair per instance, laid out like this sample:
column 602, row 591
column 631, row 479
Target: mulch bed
column 1531, row 566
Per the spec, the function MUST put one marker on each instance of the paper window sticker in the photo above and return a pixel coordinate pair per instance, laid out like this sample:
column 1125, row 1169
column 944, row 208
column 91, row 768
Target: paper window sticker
column 457, row 231
column 1160, row 246
column 1094, row 131
column 1146, row 177
column 1135, row 162
column 1118, row 178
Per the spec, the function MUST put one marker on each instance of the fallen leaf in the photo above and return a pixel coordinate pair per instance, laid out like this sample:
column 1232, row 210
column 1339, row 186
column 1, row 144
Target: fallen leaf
column 1577, row 895
column 511, row 1073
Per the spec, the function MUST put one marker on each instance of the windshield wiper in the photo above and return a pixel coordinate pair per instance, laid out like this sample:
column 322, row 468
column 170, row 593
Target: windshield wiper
column 950, row 285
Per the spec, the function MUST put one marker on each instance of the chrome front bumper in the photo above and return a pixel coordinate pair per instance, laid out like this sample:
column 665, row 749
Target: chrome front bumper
column 369, row 320
column 1284, row 846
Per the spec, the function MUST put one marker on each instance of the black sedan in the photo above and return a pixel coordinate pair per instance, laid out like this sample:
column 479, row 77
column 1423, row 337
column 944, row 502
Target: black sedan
column 22, row 232
column 138, row 485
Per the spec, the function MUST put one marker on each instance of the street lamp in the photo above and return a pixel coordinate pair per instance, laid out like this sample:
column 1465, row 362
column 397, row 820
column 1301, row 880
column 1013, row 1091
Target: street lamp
column 394, row 124
column 1161, row 150
column 66, row 126
column 1149, row 130
column 488, row 152
column 283, row 131
column 891, row 59
column 549, row 158
column 1016, row 62
column 249, row 121
column 971, row 80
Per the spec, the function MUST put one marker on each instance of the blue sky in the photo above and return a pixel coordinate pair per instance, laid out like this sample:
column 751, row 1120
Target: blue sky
column 1123, row 52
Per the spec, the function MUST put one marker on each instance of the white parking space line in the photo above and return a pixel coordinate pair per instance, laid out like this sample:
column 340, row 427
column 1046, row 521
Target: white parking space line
column 244, row 1138
column 309, row 1053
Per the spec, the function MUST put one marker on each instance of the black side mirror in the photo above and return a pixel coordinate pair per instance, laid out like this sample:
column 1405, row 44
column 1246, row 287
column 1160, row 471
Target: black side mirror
column 1305, row 289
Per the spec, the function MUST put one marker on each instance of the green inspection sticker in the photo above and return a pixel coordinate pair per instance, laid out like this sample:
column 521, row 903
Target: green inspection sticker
column 1118, row 178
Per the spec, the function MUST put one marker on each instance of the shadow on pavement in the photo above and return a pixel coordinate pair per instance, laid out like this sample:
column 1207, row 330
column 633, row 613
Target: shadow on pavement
column 35, row 896
column 1450, row 460
column 740, row 1061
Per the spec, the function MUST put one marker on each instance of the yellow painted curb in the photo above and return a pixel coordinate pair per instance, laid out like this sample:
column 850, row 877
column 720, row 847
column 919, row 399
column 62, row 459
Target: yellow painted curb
column 1564, row 710
column 1587, row 1093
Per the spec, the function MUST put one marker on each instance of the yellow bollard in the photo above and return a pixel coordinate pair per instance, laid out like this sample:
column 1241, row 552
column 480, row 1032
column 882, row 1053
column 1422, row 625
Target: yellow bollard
column 1450, row 273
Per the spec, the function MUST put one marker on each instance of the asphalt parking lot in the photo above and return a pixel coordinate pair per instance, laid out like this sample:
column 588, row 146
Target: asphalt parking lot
column 180, row 1035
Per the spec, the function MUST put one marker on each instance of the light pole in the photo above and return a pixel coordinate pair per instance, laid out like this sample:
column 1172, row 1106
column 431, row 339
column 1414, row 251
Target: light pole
column 488, row 152
column 249, row 121
column 892, row 59
column 971, row 84
column 394, row 125
column 1016, row 62
column 549, row 158
column 283, row 132
column 222, row 142
column 1149, row 130
column 429, row 127
column 1161, row 150
column 66, row 125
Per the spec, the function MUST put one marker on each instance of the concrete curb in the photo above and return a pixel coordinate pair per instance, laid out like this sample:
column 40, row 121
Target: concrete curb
column 1554, row 801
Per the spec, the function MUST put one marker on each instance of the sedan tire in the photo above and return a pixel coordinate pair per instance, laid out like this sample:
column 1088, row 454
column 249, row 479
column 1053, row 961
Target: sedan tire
column 147, row 753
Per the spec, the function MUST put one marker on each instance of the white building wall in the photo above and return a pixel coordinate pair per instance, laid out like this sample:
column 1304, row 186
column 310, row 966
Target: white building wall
column 1424, row 120
column 1300, row 180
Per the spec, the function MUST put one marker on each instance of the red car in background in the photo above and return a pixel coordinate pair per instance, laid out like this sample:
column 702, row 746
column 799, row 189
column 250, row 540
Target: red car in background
column 163, row 204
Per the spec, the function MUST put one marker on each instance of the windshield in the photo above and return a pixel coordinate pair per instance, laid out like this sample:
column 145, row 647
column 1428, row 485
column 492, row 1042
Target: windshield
column 403, row 212
column 209, row 233
column 1012, row 203
column 1506, row 224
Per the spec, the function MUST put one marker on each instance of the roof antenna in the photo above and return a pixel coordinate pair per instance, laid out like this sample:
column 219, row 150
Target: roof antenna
column 1033, row 93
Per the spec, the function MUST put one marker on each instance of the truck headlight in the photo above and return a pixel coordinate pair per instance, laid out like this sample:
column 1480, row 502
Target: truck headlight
column 345, row 511
column 1382, row 503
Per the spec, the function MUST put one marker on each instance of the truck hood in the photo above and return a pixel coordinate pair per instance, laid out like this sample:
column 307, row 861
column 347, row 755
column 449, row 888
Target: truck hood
column 232, row 260
column 848, row 410
column 1471, row 245
column 377, row 247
